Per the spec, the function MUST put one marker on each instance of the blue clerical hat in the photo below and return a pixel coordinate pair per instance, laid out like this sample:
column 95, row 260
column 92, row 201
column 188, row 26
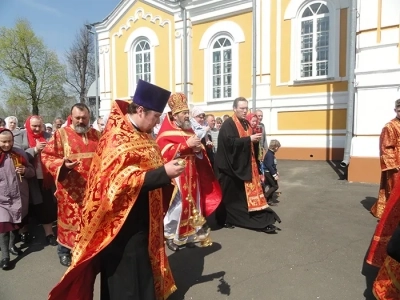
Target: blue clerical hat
column 150, row 96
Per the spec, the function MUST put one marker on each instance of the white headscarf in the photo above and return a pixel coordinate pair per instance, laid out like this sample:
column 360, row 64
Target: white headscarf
column 8, row 120
column 197, row 111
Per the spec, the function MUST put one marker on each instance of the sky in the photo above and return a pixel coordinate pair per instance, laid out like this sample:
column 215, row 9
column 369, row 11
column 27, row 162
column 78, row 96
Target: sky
column 55, row 21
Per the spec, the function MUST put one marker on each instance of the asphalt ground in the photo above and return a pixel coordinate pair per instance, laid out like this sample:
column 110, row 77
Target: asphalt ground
column 319, row 254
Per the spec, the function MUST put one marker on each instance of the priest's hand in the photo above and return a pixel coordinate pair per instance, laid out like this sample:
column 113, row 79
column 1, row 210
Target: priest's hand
column 193, row 141
column 174, row 168
column 256, row 137
column 70, row 164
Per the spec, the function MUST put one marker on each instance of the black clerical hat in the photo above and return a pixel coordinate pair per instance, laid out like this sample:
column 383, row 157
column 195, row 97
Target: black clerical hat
column 150, row 96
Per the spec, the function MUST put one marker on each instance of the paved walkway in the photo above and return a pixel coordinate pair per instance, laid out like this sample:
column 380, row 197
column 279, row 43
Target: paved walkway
column 326, row 230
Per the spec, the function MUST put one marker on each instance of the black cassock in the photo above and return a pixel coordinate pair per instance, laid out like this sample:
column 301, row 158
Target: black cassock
column 126, row 272
column 233, row 161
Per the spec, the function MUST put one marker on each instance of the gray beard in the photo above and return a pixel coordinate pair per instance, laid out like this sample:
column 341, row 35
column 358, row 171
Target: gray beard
column 186, row 125
column 81, row 129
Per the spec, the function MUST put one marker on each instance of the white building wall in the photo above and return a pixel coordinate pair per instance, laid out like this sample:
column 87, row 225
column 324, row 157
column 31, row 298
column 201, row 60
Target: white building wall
column 377, row 74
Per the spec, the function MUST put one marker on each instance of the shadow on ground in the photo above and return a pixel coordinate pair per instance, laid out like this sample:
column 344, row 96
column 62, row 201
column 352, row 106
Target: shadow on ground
column 368, row 202
column 370, row 272
column 340, row 171
column 187, row 265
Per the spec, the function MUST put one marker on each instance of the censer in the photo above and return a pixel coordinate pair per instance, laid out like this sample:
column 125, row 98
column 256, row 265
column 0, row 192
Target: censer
column 196, row 220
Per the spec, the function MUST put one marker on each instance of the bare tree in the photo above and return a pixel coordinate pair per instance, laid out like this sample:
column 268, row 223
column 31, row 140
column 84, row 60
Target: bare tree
column 33, row 72
column 80, row 63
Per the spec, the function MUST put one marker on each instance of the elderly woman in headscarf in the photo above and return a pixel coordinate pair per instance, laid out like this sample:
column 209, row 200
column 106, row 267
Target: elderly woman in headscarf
column 19, row 136
column 14, row 194
column 202, row 130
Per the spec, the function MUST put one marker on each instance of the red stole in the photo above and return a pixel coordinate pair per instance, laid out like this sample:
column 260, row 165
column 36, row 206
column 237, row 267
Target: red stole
column 255, row 195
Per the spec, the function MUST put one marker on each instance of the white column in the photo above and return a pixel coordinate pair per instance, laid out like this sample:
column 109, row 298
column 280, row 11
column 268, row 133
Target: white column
column 104, row 74
column 178, row 53
column 179, row 48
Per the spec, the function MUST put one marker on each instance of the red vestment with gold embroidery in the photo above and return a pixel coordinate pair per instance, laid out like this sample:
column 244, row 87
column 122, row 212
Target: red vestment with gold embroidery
column 70, row 184
column 172, row 141
column 389, row 146
column 119, row 166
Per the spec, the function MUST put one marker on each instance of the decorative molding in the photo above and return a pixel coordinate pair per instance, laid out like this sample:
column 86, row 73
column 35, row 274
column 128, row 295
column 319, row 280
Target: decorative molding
column 141, row 14
column 120, row 10
column 219, row 28
column 146, row 32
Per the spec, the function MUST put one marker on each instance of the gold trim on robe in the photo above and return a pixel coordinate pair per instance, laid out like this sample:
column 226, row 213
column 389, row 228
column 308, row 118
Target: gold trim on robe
column 116, row 177
column 70, row 184
column 389, row 146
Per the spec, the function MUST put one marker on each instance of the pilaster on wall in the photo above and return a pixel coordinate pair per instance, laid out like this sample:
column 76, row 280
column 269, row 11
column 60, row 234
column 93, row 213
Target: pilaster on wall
column 104, row 74
column 179, row 55
column 263, row 49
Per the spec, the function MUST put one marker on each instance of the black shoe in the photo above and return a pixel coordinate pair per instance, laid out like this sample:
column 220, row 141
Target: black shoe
column 51, row 240
column 25, row 237
column 5, row 264
column 16, row 251
column 65, row 260
column 172, row 246
column 270, row 229
column 229, row 225
column 271, row 203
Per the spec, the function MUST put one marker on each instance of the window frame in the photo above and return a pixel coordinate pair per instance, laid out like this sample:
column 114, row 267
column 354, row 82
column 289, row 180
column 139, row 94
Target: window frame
column 221, row 51
column 208, row 69
column 333, row 47
column 132, row 63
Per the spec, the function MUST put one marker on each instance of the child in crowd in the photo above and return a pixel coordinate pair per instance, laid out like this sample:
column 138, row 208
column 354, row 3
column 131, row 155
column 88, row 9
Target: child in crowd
column 271, row 175
column 14, row 194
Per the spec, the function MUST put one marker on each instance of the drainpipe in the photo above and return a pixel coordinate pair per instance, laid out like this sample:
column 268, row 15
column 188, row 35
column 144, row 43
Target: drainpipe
column 254, row 102
column 351, row 84
column 185, row 49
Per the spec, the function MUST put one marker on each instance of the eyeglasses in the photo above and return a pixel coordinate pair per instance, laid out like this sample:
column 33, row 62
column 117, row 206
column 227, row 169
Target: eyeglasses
column 200, row 116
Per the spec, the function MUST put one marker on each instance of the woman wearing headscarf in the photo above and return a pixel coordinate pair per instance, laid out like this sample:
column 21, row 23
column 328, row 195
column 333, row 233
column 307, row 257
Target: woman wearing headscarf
column 19, row 137
column 44, row 206
column 14, row 194
column 254, row 124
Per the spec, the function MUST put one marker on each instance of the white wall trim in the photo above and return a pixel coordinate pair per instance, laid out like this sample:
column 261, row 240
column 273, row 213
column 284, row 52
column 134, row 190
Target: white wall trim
column 234, row 30
column 145, row 32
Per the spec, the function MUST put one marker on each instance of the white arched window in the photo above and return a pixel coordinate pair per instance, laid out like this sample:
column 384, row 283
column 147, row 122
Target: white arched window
column 315, row 41
column 140, row 47
column 221, row 71
column 220, row 43
column 142, row 60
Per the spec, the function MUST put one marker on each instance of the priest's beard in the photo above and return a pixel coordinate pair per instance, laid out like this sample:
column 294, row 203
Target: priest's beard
column 81, row 129
column 186, row 125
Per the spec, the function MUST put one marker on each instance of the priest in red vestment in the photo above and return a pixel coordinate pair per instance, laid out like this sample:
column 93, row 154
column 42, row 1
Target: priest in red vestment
column 389, row 148
column 67, row 157
column 199, row 193
column 128, row 191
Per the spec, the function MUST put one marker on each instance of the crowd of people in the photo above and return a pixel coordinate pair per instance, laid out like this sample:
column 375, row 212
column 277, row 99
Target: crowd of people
column 122, row 188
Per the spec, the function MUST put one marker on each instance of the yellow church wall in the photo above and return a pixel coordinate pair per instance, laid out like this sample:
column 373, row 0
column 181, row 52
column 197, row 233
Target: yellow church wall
column 161, row 52
column 244, row 20
column 285, row 58
column 334, row 119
